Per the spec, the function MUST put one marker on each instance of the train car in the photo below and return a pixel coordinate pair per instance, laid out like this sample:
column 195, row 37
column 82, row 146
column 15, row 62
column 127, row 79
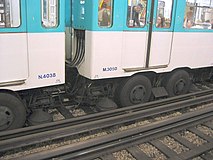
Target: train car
column 32, row 53
column 144, row 40
column 100, row 51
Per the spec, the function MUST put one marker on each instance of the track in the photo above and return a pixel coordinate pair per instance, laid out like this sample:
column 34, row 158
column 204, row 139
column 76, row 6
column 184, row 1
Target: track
column 179, row 100
column 11, row 140
column 103, row 147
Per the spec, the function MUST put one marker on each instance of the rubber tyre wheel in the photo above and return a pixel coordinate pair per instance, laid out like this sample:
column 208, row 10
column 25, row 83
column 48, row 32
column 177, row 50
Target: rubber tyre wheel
column 138, row 86
column 179, row 78
column 17, row 108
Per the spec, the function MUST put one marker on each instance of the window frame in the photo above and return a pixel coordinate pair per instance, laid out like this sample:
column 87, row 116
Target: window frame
column 57, row 15
column 111, row 16
column 196, row 29
column 131, row 27
column 20, row 18
column 171, row 16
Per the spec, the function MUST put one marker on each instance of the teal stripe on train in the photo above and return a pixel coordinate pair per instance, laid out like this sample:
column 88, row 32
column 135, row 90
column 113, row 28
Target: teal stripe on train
column 86, row 17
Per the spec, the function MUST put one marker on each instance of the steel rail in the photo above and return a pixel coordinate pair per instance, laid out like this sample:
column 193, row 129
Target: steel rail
column 95, row 148
column 97, row 116
column 104, row 123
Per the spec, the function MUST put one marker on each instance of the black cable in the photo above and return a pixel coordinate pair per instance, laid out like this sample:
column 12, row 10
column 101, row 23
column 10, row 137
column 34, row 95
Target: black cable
column 80, row 49
column 82, row 37
column 77, row 50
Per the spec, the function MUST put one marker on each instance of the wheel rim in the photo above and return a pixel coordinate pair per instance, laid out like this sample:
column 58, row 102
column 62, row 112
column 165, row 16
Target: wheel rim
column 137, row 94
column 6, row 117
column 179, row 86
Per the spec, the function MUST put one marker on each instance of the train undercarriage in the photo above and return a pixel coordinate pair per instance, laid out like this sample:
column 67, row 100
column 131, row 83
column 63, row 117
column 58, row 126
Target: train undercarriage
column 29, row 107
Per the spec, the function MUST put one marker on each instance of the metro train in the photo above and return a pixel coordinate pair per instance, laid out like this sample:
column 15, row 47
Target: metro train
column 105, row 52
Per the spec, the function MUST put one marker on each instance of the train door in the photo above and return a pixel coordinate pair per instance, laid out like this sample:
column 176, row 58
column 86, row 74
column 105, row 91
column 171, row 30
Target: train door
column 135, row 35
column 160, row 33
column 146, row 43
column 13, row 42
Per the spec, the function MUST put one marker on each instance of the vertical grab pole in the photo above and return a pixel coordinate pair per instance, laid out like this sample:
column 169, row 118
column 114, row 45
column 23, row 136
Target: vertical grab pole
column 150, row 33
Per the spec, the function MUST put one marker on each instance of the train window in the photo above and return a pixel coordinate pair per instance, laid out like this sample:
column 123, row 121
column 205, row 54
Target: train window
column 136, row 15
column 105, row 13
column 50, row 13
column 164, row 14
column 198, row 14
column 10, row 14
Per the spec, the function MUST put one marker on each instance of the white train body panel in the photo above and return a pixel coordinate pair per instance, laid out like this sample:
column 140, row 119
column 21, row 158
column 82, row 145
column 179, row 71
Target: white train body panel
column 193, row 50
column 131, row 52
column 39, row 64
column 102, row 51
column 13, row 57
column 118, row 54
column 160, row 49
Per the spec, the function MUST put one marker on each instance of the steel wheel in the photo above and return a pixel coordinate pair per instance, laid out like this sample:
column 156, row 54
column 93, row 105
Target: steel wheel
column 12, row 112
column 6, row 117
column 179, row 86
column 135, row 90
column 137, row 94
column 177, row 83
